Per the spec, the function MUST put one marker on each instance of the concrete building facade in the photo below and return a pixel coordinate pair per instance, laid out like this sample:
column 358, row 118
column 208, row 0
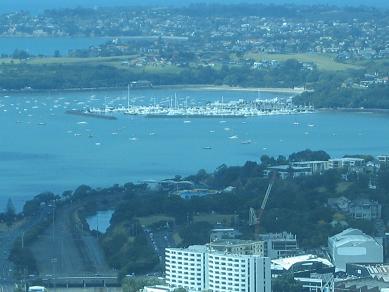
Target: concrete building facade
column 349, row 163
column 185, row 268
column 243, row 273
column 383, row 160
column 317, row 167
column 198, row 268
column 365, row 209
column 362, row 209
column 223, row 233
column 353, row 246
column 277, row 245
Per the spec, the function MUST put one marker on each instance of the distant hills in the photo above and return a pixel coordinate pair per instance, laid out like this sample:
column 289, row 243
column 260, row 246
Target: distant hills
column 39, row 5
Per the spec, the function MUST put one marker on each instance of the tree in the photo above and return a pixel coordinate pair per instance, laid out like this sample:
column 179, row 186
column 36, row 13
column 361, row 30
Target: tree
column 20, row 54
column 10, row 209
column 10, row 212
column 267, row 161
column 309, row 155
column 135, row 284
column 286, row 284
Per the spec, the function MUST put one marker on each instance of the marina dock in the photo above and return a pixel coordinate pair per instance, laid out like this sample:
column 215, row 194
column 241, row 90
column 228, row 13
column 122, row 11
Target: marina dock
column 232, row 109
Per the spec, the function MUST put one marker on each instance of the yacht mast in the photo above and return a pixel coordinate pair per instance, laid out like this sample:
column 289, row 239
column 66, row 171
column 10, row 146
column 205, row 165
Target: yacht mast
column 128, row 97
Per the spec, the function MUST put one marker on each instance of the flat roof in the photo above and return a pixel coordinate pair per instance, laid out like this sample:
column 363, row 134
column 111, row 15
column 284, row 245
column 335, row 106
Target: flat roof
column 287, row 263
column 191, row 248
column 347, row 159
column 351, row 235
column 310, row 161
column 222, row 229
column 231, row 242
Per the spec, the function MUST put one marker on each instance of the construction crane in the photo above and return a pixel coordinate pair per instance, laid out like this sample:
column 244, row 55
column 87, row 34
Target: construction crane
column 256, row 215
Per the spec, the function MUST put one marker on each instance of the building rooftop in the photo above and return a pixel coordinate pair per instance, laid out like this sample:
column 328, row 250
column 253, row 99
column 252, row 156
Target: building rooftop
column 363, row 282
column 191, row 248
column 363, row 201
column 288, row 167
column 278, row 236
column 232, row 242
column 347, row 159
column 310, row 162
column 160, row 288
column 287, row 263
column 353, row 236
column 380, row 271
column 222, row 229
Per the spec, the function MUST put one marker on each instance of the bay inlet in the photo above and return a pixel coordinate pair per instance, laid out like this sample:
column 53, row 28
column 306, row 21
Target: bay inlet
column 44, row 149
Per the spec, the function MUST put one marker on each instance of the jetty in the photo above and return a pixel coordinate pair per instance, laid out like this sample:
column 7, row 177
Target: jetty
column 87, row 113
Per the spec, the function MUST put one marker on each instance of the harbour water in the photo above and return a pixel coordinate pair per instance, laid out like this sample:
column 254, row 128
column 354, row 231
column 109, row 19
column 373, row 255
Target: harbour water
column 101, row 221
column 40, row 5
column 44, row 149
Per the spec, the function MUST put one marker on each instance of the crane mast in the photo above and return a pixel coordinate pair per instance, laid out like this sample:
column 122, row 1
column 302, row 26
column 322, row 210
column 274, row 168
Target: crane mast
column 256, row 216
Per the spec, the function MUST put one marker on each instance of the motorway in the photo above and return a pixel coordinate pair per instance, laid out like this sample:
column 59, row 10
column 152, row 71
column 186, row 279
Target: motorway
column 65, row 252
column 7, row 240
column 159, row 240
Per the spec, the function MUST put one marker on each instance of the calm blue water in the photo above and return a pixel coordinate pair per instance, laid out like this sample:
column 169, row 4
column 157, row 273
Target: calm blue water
column 101, row 221
column 47, row 46
column 38, row 5
column 44, row 149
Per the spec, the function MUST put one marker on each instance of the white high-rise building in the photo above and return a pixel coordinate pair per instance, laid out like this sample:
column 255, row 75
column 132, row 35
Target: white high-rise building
column 240, row 273
column 198, row 268
column 185, row 267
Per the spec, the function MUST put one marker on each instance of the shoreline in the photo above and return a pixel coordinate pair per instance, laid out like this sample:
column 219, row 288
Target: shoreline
column 233, row 88
column 193, row 87
column 356, row 110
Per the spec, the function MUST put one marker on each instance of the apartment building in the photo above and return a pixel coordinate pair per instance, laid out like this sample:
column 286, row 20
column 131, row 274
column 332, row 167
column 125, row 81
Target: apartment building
column 383, row 160
column 347, row 162
column 277, row 245
column 198, row 268
column 185, row 267
column 317, row 167
column 234, row 272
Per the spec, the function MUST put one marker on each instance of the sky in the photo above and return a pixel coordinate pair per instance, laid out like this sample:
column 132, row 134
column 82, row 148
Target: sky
column 39, row 5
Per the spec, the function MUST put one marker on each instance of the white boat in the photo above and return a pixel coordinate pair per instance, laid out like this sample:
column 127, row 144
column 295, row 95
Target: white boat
column 246, row 142
column 233, row 137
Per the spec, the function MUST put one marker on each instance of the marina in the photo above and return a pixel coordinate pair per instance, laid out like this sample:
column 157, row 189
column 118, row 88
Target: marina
column 231, row 109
